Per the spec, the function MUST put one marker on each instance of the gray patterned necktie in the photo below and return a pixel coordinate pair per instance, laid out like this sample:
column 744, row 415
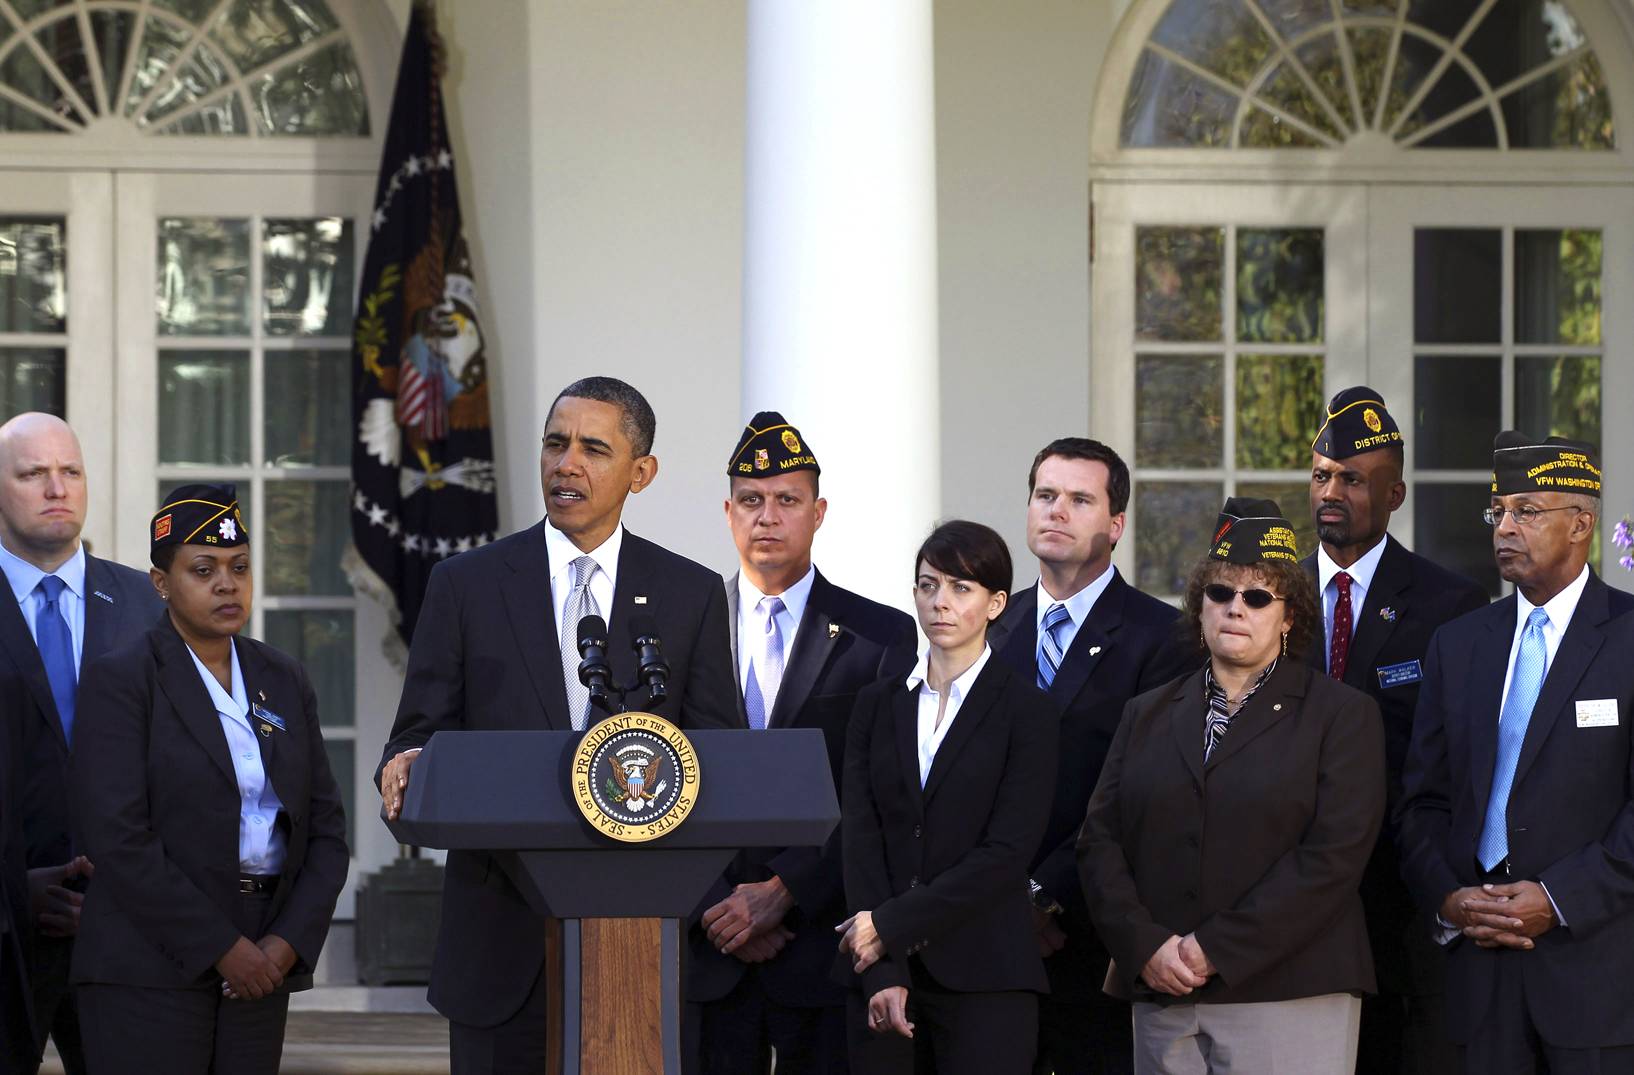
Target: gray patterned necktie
column 580, row 603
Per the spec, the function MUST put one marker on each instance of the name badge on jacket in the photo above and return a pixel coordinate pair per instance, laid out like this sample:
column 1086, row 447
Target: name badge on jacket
column 1399, row 675
column 1597, row 713
column 262, row 713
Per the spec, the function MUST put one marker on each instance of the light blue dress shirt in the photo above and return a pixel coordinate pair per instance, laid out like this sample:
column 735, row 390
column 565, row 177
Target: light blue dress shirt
column 24, row 579
column 260, row 845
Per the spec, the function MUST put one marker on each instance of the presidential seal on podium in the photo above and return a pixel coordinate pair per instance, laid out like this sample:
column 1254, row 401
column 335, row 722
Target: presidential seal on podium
column 635, row 777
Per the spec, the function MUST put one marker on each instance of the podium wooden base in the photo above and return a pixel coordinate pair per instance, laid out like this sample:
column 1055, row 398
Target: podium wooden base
column 618, row 1009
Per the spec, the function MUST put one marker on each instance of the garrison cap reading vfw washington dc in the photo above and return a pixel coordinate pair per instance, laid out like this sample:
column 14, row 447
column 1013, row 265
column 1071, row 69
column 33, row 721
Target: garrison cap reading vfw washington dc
column 769, row 446
column 1357, row 422
column 1523, row 464
column 198, row 515
column 1251, row 531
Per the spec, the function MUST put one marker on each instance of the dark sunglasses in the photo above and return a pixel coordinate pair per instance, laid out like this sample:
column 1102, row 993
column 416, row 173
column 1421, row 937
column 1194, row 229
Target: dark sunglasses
column 1222, row 595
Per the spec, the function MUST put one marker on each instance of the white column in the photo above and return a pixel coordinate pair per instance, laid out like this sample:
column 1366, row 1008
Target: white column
column 839, row 290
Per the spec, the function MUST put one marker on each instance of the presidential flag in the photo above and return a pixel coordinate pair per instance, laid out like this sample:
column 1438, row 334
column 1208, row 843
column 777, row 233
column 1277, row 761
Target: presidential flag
column 422, row 457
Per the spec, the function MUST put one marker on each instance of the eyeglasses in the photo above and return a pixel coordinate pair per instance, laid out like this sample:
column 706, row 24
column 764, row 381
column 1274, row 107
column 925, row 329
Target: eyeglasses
column 1525, row 515
column 1222, row 595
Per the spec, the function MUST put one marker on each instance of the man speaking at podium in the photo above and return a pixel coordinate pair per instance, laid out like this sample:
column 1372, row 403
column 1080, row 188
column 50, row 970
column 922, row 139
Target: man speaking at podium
column 484, row 657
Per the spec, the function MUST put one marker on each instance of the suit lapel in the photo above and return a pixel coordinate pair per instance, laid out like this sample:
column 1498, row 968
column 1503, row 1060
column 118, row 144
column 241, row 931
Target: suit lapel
column 179, row 679
column 1090, row 644
column 1486, row 684
column 532, row 612
column 813, row 642
column 20, row 648
column 1578, row 646
column 1272, row 703
column 972, row 711
column 732, row 635
column 1393, row 577
column 905, row 723
column 1019, row 646
column 261, row 689
column 1188, row 712
column 104, row 612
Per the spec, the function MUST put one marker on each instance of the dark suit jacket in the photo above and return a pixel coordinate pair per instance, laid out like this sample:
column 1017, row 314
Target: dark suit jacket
column 1126, row 646
column 19, row 1050
column 1420, row 595
column 485, row 657
column 944, row 869
column 1571, row 812
column 156, row 805
column 1259, row 852
column 844, row 643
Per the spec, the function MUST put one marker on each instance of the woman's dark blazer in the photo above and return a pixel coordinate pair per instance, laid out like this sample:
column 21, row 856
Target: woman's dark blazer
column 1259, row 852
column 944, row 870
column 156, row 806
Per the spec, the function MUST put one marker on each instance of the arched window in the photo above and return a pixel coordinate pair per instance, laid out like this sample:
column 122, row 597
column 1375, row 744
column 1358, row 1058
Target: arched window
column 1293, row 196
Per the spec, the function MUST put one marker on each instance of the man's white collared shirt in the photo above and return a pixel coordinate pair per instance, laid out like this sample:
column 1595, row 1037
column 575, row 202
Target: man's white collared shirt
column 562, row 552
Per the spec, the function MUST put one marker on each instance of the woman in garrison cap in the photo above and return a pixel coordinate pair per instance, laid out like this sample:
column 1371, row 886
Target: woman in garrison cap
column 1226, row 839
column 949, row 775
column 202, row 793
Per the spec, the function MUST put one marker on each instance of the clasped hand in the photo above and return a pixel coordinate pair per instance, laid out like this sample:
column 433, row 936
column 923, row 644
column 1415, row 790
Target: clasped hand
column 749, row 923
column 54, row 906
column 253, row 969
column 858, row 936
column 1500, row 916
column 1178, row 966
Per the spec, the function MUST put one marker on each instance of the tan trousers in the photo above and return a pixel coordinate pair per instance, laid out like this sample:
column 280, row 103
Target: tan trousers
column 1309, row 1036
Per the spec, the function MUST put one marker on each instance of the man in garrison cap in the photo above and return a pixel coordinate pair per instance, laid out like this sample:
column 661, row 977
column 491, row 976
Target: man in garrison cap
column 1517, row 825
column 763, row 942
column 1380, row 605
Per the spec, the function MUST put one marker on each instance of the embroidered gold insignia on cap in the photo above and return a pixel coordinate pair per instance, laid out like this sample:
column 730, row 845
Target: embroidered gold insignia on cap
column 791, row 442
column 1370, row 418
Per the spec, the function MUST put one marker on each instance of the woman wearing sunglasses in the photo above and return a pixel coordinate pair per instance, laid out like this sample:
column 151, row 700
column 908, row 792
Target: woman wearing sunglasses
column 1228, row 833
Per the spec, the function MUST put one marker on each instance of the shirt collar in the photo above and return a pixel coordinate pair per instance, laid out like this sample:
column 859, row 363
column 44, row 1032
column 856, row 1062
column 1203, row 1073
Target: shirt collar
column 1558, row 608
column 920, row 676
column 1361, row 571
column 794, row 598
column 1080, row 604
column 24, row 577
column 236, row 704
column 1214, row 690
column 561, row 551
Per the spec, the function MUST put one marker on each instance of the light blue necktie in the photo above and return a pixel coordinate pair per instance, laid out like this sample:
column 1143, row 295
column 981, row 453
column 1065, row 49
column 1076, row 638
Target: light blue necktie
column 56, row 645
column 1049, row 644
column 1531, row 662
column 765, row 668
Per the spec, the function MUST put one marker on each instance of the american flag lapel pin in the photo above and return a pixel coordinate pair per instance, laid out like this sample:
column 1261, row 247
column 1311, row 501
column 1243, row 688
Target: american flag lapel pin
column 640, row 598
column 834, row 630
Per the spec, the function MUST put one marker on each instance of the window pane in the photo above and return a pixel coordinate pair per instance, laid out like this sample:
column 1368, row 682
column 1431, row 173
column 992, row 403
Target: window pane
column 32, row 379
column 1447, row 528
column 62, row 41
column 1169, row 106
column 112, row 30
column 204, row 277
column 1518, row 35
column 1370, row 52
column 309, row 408
column 204, row 407
column 1457, row 285
column 23, row 72
column 1279, row 285
column 1279, row 400
column 307, row 276
column 342, row 759
column 1452, row 90
column 1325, row 65
column 1178, row 279
column 161, row 45
column 1225, row 39
column 1293, row 17
column 1294, row 498
column 1569, row 108
column 306, row 530
column 1174, row 521
column 1262, row 130
column 322, row 642
column 1179, row 404
column 202, row 74
column 1288, row 91
column 1557, row 286
column 1558, row 396
column 33, row 274
column 1457, row 410
column 256, row 32
column 317, row 95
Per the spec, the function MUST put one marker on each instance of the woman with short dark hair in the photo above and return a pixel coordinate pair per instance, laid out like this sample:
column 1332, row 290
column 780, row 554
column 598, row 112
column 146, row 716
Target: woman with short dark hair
column 1225, row 841
column 948, row 781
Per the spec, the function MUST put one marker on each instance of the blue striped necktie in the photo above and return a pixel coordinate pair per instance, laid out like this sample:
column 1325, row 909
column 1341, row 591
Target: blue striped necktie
column 56, row 644
column 1531, row 663
column 765, row 667
column 1050, row 650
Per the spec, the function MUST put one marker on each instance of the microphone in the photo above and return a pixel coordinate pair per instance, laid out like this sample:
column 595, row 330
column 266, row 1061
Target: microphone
column 654, row 670
column 594, row 671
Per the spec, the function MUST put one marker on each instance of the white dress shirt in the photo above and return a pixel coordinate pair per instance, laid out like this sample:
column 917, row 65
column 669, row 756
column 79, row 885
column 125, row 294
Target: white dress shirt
column 1361, row 577
column 1079, row 606
column 24, row 579
column 930, row 733
column 260, row 844
column 562, row 552
column 752, row 623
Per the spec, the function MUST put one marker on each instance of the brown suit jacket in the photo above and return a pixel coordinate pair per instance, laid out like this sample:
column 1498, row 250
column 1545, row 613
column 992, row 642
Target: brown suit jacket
column 1259, row 852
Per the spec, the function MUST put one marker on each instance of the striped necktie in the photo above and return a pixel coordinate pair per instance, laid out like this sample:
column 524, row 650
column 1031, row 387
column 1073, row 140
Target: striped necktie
column 765, row 668
column 579, row 604
column 1531, row 664
column 1050, row 650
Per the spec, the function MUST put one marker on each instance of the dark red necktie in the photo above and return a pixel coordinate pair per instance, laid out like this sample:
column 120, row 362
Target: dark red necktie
column 1339, row 648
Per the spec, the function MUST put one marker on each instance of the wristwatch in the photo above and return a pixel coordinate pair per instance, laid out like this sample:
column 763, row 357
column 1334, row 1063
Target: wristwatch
column 1041, row 899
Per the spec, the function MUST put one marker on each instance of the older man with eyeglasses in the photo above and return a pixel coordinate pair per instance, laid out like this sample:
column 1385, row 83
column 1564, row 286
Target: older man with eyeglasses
column 1517, row 821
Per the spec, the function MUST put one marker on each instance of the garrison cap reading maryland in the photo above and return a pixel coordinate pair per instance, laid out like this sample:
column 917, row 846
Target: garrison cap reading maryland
column 1357, row 422
column 199, row 515
column 1251, row 531
column 769, row 446
column 1523, row 464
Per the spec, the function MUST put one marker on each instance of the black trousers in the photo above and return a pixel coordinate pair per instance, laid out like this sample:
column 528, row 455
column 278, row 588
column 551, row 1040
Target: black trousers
column 518, row 1046
column 953, row 1033
column 1506, row 1042
column 136, row 1030
column 737, row 1034
column 56, row 1012
column 1084, row 1036
column 18, row 1053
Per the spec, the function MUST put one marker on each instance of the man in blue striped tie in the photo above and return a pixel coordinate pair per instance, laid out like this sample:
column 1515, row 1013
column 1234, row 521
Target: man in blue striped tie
column 1517, row 820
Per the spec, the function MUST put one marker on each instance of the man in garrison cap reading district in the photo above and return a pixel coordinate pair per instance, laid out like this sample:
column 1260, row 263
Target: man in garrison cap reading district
column 762, row 947
column 485, row 657
column 1517, row 826
column 1380, row 605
